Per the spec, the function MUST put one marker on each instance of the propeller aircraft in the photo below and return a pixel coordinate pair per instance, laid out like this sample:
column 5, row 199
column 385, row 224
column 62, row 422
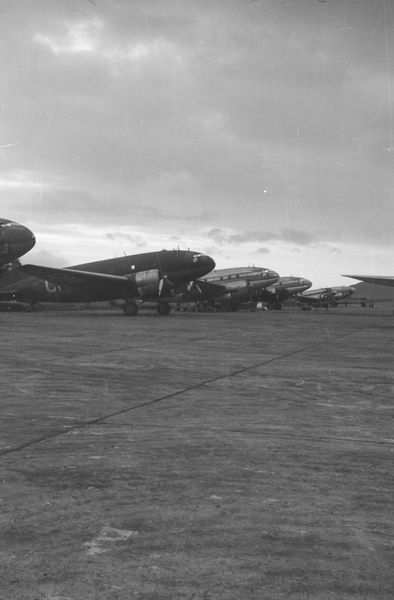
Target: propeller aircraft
column 325, row 297
column 282, row 289
column 151, row 276
column 226, row 289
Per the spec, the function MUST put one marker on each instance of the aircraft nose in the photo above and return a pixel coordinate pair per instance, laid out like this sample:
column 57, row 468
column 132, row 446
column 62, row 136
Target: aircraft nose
column 207, row 262
column 202, row 264
column 15, row 240
column 19, row 234
column 25, row 238
column 272, row 275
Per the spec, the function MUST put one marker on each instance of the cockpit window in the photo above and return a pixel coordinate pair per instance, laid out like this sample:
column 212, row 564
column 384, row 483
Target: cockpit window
column 9, row 224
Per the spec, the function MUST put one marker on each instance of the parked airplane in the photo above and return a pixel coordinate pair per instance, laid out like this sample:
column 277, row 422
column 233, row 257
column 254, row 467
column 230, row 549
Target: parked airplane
column 280, row 291
column 15, row 241
column 135, row 279
column 226, row 289
column 373, row 279
column 329, row 296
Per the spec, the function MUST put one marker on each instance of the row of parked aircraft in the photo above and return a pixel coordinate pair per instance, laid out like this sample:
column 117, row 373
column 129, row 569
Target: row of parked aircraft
column 164, row 277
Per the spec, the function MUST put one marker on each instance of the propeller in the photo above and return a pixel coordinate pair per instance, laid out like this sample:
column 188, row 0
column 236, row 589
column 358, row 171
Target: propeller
column 193, row 288
column 164, row 283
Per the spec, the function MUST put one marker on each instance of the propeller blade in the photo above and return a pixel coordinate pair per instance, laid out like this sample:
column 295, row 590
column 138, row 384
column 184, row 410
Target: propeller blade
column 161, row 285
column 166, row 284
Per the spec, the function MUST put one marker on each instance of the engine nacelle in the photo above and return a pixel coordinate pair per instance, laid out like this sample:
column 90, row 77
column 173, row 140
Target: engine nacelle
column 147, row 282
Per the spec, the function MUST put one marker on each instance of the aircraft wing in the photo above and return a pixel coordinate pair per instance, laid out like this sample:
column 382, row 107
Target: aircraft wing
column 73, row 278
column 373, row 279
column 200, row 290
column 210, row 289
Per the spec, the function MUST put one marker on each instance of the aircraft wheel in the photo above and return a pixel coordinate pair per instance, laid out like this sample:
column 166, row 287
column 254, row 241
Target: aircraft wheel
column 130, row 309
column 277, row 306
column 225, row 307
column 163, row 308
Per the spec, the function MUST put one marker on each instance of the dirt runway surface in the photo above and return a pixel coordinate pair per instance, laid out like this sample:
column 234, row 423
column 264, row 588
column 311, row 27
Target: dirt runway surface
column 197, row 456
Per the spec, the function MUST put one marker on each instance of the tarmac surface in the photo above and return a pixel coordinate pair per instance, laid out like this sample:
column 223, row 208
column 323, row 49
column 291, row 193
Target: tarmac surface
column 197, row 456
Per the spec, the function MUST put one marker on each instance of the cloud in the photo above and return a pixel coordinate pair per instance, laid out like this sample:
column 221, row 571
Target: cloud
column 288, row 236
column 121, row 237
column 302, row 238
column 232, row 125
column 82, row 36
column 45, row 257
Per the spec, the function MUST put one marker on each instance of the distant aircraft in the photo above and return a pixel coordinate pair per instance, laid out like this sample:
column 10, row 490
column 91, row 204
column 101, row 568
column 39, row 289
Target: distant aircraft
column 152, row 276
column 329, row 296
column 226, row 289
column 373, row 279
column 15, row 241
column 280, row 291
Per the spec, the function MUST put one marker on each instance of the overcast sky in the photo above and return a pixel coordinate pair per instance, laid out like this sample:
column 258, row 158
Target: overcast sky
column 257, row 131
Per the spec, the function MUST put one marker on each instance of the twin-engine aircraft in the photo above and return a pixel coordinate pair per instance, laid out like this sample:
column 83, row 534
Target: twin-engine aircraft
column 15, row 241
column 282, row 289
column 227, row 289
column 152, row 276
column 326, row 297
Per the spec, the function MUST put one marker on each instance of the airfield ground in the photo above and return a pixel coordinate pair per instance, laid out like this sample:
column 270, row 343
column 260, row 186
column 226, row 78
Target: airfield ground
column 197, row 456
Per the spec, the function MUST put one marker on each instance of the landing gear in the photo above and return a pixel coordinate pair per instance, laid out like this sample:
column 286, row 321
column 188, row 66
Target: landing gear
column 163, row 308
column 130, row 309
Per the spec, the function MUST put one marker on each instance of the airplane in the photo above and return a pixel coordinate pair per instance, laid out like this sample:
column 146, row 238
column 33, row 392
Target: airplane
column 226, row 289
column 151, row 276
column 282, row 289
column 329, row 296
column 15, row 241
column 378, row 280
